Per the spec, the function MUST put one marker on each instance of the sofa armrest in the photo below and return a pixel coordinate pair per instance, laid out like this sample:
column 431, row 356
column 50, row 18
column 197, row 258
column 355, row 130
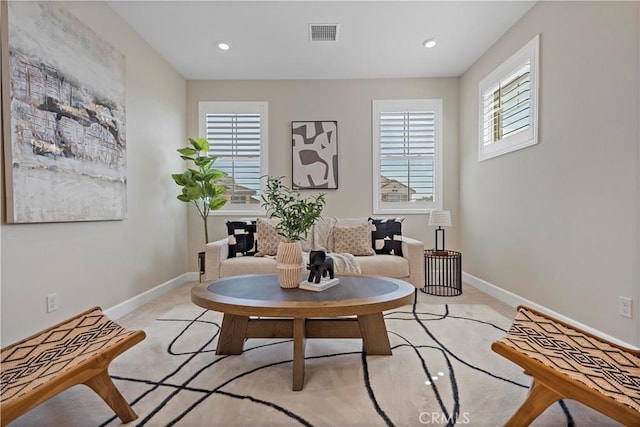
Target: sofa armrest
column 413, row 251
column 214, row 254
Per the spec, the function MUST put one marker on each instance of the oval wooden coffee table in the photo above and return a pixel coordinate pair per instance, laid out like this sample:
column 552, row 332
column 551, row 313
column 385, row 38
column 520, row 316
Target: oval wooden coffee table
column 301, row 314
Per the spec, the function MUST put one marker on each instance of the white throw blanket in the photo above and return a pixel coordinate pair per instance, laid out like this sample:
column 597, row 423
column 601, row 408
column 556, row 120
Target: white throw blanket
column 322, row 240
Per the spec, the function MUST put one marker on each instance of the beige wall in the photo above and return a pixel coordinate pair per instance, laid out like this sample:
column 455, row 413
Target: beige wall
column 105, row 263
column 348, row 102
column 557, row 223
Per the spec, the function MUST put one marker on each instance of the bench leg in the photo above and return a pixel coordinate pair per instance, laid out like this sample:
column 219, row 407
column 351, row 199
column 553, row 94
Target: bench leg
column 538, row 399
column 106, row 389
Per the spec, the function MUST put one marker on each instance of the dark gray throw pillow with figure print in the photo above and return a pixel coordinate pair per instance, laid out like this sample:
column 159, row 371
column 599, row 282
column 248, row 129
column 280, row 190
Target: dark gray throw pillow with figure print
column 241, row 238
column 387, row 236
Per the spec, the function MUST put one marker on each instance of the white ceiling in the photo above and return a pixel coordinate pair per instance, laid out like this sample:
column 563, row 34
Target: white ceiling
column 270, row 39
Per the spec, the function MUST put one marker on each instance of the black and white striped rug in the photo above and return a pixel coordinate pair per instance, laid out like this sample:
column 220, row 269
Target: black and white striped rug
column 442, row 372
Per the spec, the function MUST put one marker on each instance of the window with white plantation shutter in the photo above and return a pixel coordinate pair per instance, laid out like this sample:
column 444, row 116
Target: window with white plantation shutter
column 237, row 136
column 508, row 104
column 407, row 156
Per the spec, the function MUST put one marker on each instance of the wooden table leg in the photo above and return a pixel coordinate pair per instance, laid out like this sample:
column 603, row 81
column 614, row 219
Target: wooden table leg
column 374, row 334
column 299, row 341
column 232, row 334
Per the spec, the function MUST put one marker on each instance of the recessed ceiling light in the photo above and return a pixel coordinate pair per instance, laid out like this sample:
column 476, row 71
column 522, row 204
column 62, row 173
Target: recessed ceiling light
column 223, row 45
column 429, row 43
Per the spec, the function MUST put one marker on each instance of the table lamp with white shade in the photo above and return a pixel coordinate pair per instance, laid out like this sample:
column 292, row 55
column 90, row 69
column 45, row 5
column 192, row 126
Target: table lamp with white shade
column 441, row 219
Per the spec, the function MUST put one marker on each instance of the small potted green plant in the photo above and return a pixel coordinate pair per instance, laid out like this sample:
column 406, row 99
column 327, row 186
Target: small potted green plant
column 201, row 184
column 296, row 216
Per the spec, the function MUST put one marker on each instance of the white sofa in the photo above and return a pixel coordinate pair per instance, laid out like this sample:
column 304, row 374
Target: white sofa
column 408, row 267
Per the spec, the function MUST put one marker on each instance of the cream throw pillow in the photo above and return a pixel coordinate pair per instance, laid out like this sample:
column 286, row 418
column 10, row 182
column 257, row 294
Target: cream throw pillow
column 268, row 239
column 266, row 236
column 323, row 231
column 355, row 240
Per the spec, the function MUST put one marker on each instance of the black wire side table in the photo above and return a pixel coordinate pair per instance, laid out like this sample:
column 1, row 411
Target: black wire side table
column 442, row 273
column 201, row 259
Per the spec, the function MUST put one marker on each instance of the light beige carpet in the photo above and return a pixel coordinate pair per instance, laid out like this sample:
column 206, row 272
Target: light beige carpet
column 442, row 371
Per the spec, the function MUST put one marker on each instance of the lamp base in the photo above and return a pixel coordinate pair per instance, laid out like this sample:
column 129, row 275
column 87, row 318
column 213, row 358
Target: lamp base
column 439, row 248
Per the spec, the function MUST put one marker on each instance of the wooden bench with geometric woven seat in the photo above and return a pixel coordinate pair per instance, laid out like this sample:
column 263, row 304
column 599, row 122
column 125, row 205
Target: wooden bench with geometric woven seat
column 567, row 362
column 75, row 351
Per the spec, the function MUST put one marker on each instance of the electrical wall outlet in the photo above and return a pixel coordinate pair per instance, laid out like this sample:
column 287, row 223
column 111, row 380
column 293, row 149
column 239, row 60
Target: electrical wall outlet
column 52, row 302
column 624, row 306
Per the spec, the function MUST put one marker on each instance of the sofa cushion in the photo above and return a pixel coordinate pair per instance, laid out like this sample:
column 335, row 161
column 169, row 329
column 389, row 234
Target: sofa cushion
column 355, row 240
column 384, row 265
column 379, row 265
column 387, row 236
column 247, row 265
column 241, row 237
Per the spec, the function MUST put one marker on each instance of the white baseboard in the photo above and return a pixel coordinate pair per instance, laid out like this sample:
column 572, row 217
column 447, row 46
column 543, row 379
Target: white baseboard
column 131, row 304
column 192, row 276
column 514, row 300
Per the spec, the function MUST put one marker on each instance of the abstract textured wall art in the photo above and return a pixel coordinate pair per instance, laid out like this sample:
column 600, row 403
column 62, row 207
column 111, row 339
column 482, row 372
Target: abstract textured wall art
column 64, row 140
column 315, row 154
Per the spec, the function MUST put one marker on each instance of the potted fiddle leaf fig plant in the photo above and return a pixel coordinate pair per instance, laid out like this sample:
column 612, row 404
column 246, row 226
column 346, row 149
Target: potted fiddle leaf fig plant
column 296, row 215
column 201, row 184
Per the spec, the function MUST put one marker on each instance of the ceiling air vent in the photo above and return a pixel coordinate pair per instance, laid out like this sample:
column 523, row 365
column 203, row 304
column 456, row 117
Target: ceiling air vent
column 323, row 32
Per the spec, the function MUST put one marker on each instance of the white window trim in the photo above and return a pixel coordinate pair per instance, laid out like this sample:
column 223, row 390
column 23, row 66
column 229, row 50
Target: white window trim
column 382, row 208
column 206, row 107
column 530, row 51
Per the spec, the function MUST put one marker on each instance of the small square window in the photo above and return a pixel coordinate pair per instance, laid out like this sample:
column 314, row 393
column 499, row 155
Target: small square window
column 509, row 104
